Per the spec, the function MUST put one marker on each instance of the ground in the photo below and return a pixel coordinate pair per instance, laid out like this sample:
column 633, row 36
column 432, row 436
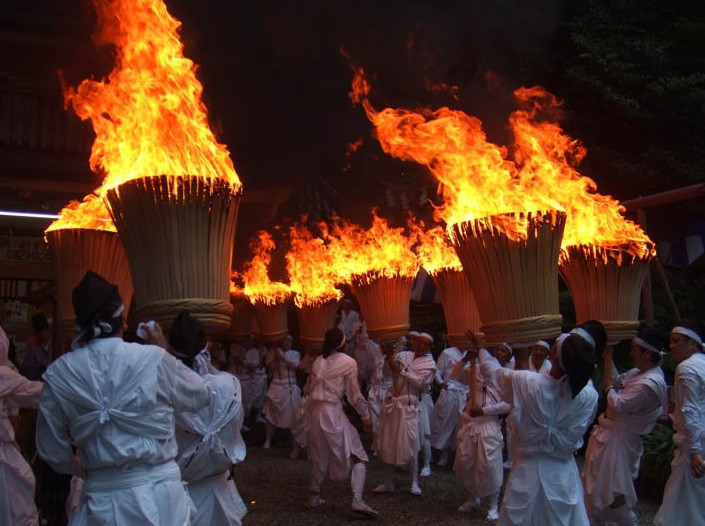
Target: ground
column 275, row 489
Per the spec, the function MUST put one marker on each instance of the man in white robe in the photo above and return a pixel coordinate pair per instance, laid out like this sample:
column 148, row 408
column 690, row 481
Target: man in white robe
column 478, row 460
column 401, row 421
column 334, row 446
column 283, row 394
column 550, row 413
column 115, row 403
column 538, row 357
column 17, row 481
column 684, row 496
column 634, row 403
column 210, row 443
column 349, row 321
column 449, row 405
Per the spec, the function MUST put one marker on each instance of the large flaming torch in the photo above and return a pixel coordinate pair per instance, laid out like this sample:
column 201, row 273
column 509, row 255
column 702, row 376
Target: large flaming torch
column 84, row 238
column 270, row 299
column 313, row 276
column 437, row 256
column 172, row 189
column 381, row 266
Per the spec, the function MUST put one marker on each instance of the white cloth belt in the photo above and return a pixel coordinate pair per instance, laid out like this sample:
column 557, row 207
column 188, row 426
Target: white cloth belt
column 118, row 478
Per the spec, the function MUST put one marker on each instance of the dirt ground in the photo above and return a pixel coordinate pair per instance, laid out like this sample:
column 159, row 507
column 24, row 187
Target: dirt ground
column 275, row 489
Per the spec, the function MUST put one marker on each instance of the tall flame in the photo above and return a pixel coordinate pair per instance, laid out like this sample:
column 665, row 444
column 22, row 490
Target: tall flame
column 91, row 213
column 257, row 285
column 148, row 114
column 312, row 269
column 477, row 179
column 434, row 250
column 380, row 250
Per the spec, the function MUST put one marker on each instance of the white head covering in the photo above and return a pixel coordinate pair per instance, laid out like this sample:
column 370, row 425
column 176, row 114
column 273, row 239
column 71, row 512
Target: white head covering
column 426, row 336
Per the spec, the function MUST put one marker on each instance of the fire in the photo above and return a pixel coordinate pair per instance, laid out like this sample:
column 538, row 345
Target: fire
column 434, row 250
column 477, row 179
column 91, row 213
column 378, row 251
column 148, row 115
column 313, row 273
column 257, row 285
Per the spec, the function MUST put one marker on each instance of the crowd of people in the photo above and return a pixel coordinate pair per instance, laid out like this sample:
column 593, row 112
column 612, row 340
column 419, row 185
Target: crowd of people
column 149, row 431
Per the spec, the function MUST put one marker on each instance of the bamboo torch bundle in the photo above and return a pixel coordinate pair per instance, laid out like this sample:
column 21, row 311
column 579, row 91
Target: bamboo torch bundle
column 459, row 306
column 605, row 285
column 314, row 321
column 178, row 233
column 272, row 320
column 242, row 318
column 384, row 302
column 77, row 250
column 514, row 279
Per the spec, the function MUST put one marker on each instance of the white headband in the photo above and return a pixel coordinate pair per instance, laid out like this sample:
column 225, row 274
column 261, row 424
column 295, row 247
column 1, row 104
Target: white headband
column 559, row 347
column 647, row 345
column 426, row 336
column 543, row 344
column 689, row 333
column 585, row 335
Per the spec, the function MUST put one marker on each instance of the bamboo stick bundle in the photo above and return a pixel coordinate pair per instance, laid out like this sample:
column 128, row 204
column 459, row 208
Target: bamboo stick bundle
column 459, row 306
column 314, row 320
column 77, row 250
column 384, row 302
column 605, row 285
column 241, row 324
column 511, row 262
column 272, row 321
column 178, row 233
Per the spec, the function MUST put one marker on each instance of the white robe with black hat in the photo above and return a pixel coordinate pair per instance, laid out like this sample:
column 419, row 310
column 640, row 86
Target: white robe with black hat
column 116, row 402
column 544, row 483
column 684, row 497
column 615, row 446
column 210, row 443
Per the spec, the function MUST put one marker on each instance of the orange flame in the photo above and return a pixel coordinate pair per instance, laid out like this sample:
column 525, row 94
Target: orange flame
column 434, row 250
column 148, row 115
column 257, row 285
column 91, row 214
column 313, row 272
column 477, row 179
column 378, row 251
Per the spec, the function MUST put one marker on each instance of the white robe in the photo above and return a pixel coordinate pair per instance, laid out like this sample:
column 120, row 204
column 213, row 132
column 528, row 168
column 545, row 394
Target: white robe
column 380, row 382
column 445, row 415
column 478, row 459
column 684, row 497
column 544, row 483
column 404, row 418
column 615, row 446
column 283, row 394
column 117, row 400
column 210, row 443
column 17, row 481
column 332, row 439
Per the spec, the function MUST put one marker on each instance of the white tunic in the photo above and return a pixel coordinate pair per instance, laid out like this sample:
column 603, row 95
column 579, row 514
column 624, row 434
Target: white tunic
column 544, row 484
column 380, row 382
column 117, row 400
column 404, row 416
column 17, row 480
column 283, row 395
column 478, row 460
column 615, row 446
column 332, row 439
column 684, row 496
column 210, row 443
column 450, row 403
